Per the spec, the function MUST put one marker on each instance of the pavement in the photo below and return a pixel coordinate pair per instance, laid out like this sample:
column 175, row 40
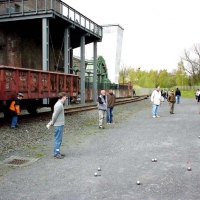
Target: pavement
column 124, row 152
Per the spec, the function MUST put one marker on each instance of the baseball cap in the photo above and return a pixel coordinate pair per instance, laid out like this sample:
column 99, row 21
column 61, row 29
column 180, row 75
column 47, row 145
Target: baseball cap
column 20, row 94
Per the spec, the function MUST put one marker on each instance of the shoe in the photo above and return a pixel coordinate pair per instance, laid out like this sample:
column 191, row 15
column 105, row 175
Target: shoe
column 12, row 127
column 101, row 127
column 16, row 126
column 157, row 116
column 154, row 116
column 62, row 154
column 58, row 156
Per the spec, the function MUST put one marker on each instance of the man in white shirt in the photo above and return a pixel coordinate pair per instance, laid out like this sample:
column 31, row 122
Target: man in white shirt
column 155, row 99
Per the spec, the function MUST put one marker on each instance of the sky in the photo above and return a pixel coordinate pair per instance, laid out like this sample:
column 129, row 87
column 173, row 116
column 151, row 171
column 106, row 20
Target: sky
column 156, row 32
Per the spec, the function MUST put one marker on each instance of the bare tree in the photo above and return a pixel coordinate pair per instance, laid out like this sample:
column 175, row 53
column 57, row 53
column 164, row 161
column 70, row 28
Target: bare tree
column 193, row 62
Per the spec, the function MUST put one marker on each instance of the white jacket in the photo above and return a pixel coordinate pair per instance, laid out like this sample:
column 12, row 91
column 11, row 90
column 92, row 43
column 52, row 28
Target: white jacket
column 156, row 97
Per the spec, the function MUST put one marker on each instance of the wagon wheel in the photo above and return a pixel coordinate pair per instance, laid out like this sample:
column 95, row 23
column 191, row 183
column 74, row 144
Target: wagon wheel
column 31, row 106
column 6, row 113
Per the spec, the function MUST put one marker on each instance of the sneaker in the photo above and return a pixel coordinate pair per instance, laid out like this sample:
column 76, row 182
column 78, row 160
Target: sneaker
column 58, row 156
column 154, row 116
column 101, row 127
column 62, row 154
column 157, row 116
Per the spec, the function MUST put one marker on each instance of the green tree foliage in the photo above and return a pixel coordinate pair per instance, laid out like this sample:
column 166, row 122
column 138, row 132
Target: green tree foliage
column 154, row 78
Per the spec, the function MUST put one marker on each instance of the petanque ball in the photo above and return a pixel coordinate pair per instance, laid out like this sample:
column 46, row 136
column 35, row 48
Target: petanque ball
column 95, row 174
column 138, row 182
column 189, row 169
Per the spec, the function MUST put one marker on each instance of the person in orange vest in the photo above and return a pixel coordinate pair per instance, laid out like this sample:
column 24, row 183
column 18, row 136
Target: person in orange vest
column 15, row 110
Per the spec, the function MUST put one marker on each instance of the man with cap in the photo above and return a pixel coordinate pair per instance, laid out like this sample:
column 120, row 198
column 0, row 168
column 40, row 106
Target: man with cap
column 15, row 110
column 172, row 100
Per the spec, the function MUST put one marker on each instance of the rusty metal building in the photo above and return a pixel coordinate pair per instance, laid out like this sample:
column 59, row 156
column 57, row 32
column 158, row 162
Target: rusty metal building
column 41, row 34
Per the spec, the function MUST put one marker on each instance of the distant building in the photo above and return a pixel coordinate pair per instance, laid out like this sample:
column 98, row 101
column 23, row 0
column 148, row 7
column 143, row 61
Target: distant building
column 110, row 49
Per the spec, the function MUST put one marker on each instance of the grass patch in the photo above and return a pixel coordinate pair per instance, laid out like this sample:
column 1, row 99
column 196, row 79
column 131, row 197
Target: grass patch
column 39, row 155
column 188, row 93
column 90, row 122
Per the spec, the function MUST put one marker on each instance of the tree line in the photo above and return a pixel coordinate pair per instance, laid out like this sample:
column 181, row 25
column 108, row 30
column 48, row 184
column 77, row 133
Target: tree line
column 187, row 73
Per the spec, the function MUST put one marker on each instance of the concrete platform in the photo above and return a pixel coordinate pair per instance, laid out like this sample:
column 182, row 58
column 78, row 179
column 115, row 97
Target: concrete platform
column 124, row 152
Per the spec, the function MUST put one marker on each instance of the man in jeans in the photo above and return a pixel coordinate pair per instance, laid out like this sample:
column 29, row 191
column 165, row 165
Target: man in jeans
column 58, row 121
column 155, row 99
column 102, row 107
column 178, row 95
column 111, row 103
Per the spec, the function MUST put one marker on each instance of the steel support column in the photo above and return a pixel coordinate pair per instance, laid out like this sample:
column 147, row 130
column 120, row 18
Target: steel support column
column 82, row 69
column 66, row 56
column 45, row 48
column 45, row 44
column 95, row 72
column 66, row 50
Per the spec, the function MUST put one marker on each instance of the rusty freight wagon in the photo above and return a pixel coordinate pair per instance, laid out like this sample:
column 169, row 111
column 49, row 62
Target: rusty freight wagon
column 36, row 85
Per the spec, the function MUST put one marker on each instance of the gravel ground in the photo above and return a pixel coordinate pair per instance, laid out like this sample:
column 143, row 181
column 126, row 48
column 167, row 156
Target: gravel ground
column 123, row 151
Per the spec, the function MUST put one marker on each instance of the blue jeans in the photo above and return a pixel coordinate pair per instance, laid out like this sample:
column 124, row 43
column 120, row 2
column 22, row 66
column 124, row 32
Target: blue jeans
column 109, row 115
column 178, row 98
column 58, row 130
column 155, row 109
column 14, row 121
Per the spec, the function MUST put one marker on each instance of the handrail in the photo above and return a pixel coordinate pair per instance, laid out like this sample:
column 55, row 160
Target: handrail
column 23, row 7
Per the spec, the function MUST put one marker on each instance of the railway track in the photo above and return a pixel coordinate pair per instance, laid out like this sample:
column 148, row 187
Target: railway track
column 119, row 101
column 27, row 118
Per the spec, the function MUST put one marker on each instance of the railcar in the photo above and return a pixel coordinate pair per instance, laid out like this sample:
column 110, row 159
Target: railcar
column 40, row 88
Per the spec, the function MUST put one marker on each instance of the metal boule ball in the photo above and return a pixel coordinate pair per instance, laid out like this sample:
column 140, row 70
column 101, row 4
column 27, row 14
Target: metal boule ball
column 95, row 174
column 99, row 169
column 152, row 160
column 155, row 160
column 199, row 137
column 138, row 182
column 189, row 169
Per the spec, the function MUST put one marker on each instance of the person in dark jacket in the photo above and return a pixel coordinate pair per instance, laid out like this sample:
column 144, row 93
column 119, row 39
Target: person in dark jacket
column 172, row 100
column 15, row 110
column 111, row 103
column 102, row 107
column 178, row 95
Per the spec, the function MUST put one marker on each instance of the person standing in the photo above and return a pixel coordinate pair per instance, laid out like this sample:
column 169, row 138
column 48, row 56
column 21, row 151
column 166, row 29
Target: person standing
column 102, row 107
column 134, row 93
column 15, row 110
column 155, row 99
column 178, row 95
column 58, row 121
column 172, row 100
column 110, row 107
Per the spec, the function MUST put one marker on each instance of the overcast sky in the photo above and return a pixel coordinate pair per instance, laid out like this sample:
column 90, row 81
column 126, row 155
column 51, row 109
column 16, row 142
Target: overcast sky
column 155, row 31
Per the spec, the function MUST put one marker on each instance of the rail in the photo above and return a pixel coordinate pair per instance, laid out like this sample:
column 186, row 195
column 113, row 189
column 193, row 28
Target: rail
column 16, row 8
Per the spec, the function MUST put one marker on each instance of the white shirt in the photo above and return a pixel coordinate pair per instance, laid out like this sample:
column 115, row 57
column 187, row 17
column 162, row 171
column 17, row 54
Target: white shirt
column 156, row 97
